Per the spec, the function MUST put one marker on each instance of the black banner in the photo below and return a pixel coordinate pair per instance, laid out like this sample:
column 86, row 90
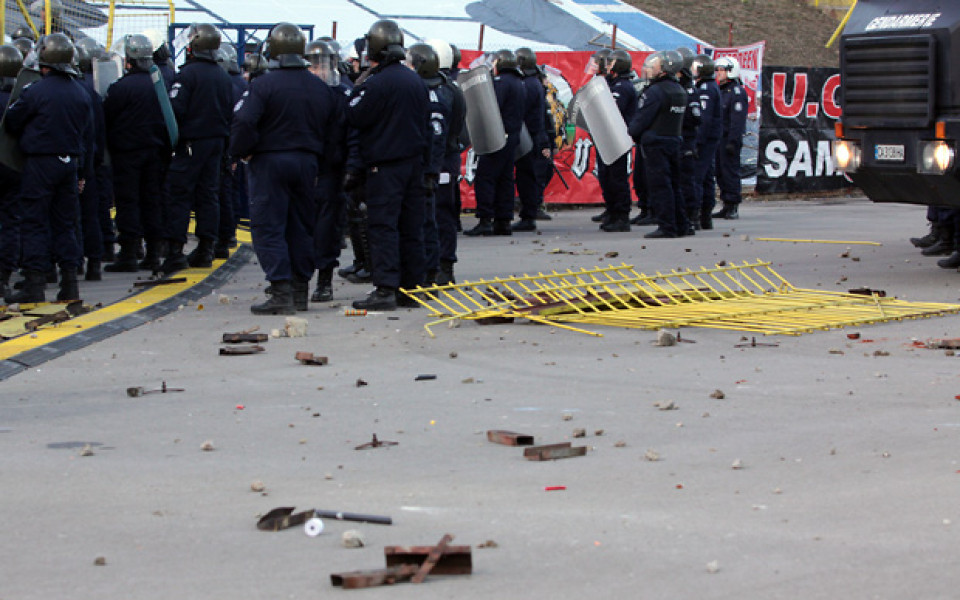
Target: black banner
column 799, row 107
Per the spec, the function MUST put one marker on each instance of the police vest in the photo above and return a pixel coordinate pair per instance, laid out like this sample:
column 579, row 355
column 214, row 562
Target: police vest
column 669, row 121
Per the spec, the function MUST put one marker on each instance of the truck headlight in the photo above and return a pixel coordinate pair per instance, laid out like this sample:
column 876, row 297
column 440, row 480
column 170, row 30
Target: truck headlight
column 846, row 155
column 936, row 157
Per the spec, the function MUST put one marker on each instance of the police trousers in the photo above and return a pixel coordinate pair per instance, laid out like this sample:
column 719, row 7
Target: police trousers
column 50, row 208
column 395, row 213
column 194, row 181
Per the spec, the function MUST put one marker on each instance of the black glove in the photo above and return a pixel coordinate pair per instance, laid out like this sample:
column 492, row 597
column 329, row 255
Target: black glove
column 351, row 181
column 732, row 149
column 430, row 181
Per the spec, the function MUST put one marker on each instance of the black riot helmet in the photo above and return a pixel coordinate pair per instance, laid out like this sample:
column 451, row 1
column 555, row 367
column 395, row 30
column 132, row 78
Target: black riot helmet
column 286, row 44
column 688, row 57
column 138, row 49
column 703, row 67
column 88, row 51
column 203, row 41
column 161, row 55
column 671, row 62
column 527, row 61
column 332, row 43
column 229, row 52
column 10, row 60
column 621, row 63
column 457, row 57
column 324, row 61
column 422, row 58
column 506, row 60
column 24, row 45
column 385, row 41
column 255, row 66
column 55, row 51
column 23, row 32
column 601, row 58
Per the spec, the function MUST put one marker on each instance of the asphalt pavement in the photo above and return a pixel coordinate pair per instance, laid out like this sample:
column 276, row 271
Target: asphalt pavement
column 828, row 469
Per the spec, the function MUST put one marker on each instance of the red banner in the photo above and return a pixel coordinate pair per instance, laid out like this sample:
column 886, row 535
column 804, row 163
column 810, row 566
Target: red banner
column 575, row 179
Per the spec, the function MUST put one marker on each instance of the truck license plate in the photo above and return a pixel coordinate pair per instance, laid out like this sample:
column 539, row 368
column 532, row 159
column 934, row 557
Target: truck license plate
column 888, row 152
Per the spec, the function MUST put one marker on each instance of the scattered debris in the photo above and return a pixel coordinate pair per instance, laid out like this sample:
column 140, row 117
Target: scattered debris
column 488, row 544
column 579, row 432
column 737, row 465
column 611, row 254
column 350, row 312
column 100, row 561
column 453, row 560
column 454, row 355
column 356, row 517
column 313, row 527
column 554, row 452
column 308, row 358
column 257, row 486
column 223, row 299
column 245, row 337
column 361, row 383
column 853, row 336
column 567, row 417
column 754, row 344
column 425, row 377
column 509, row 438
column 207, row 446
column 845, row 253
column 865, row 291
column 652, row 455
column 835, row 351
column 718, row 395
column 469, row 380
column 713, row 566
column 376, row 443
column 885, row 455
column 620, row 444
column 135, row 392
column 598, row 432
column 948, row 343
column 363, row 579
column 295, row 327
column 881, row 353
column 86, row 451
column 665, row 405
column 555, row 488
column 665, row 338
column 241, row 350
column 352, row 538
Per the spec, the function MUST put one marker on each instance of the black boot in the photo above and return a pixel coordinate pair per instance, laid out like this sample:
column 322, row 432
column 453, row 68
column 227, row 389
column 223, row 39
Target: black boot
column 280, row 301
column 221, row 249
column 944, row 244
column 693, row 215
column 175, row 260
column 616, row 224
column 361, row 276
column 601, row 218
column 93, row 270
column 382, row 298
column 445, row 273
column 502, row 227
column 300, row 289
column 202, row 255
column 484, row 227
column 430, row 279
column 706, row 220
column 927, row 240
column 108, row 254
column 69, row 289
column 349, row 269
column 32, row 290
column 4, row 283
column 126, row 261
column 151, row 261
column 729, row 211
column 543, row 215
column 524, row 225
column 951, row 262
column 324, row 291
column 643, row 219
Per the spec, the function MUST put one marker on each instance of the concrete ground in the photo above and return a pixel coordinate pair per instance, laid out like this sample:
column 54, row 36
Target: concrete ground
column 849, row 484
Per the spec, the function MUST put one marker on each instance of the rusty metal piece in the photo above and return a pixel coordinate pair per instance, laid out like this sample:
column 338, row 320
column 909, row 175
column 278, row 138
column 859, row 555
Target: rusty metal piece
column 948, row 344
column 554, row 451
column 308, row 358
column 283, row 518
column 435, row 553
column 509, row 438
column 244, row 337
column 241, row 350
column 363, row 579
column 153, row 282
column 754, row 343
column 376, row 443
column 345, row 516
column 454, row 560
column 865, row 291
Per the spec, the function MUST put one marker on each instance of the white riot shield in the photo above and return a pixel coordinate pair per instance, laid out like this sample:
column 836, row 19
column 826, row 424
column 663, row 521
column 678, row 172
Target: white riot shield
column 604, row 122
column 484, row 123
column 106, row 70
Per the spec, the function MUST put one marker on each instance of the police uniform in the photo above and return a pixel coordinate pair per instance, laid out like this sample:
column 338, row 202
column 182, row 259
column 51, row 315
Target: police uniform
column 656, row 127
column 447, row 209
column 138, row 142
column 390, row 111
column 232, row 197
column 9, row 208
column 440, row 108
column 201, row 97
column 52, row 119
column 494, row 183
column 614, row 178
column 528, row 188
column 688, row 154
column 284, row 121
column 708, row 138
column 91, row 232
column 734, row 102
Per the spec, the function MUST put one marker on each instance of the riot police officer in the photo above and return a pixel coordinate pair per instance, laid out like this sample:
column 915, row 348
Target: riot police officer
column 283, row 126
column 10, row 63
column 138, row 142
column 390, row 111
column 494, row 183
column 202, row 100
column 734, row 102
column 614, row 178
column 688, row 145
column 448, row 188
column 52, row 120
column 708, row 137
column 656, row 127
column 232, row 189
column 528, row 188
